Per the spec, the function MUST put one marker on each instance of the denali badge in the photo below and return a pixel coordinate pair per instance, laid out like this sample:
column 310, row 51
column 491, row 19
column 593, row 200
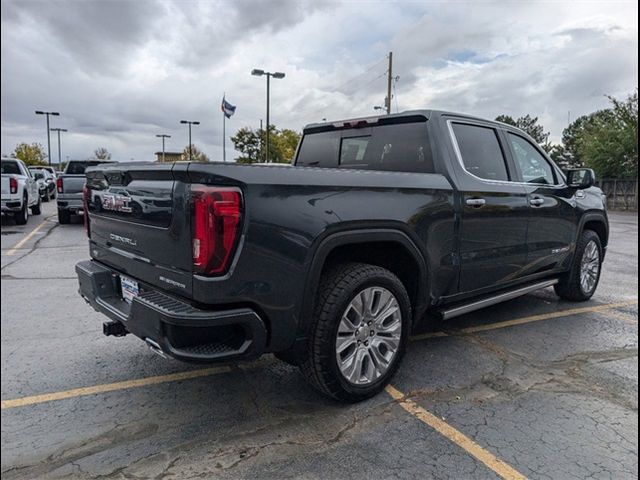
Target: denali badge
column 172, row 282
column 125, row 240
column 117, row 203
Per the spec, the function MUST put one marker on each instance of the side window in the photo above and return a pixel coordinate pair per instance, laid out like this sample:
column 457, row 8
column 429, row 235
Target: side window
column 319, row 150
column 481, row 152
column 534, row 167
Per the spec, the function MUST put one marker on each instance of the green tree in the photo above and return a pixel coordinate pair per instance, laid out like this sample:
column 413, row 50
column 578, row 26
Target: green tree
column 251, row 144
column 30, row 154
column 608, row 142
column 575, row 131
column 248, row 142
column 197, row 155
column 531, row 127
column 102, row 153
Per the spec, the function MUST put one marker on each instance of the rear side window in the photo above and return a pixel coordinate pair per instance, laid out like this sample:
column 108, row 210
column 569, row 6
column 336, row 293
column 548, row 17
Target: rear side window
column 481, row 152
column 397, row 148
column 76, row 168
column 11, row 168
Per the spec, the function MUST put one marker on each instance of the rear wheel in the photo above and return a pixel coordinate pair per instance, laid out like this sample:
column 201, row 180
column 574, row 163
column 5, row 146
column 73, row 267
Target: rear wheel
column 580, row 283
column 64, row 217
column 22, row 216
column 359, row 332
column 37, row 208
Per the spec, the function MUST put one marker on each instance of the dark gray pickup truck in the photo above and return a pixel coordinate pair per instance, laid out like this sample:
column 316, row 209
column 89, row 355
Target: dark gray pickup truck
column 330, row 263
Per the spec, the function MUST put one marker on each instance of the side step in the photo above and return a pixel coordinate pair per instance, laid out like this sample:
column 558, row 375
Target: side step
column 488, row 301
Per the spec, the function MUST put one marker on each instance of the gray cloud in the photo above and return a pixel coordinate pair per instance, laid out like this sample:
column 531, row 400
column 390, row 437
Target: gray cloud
column 122, row 71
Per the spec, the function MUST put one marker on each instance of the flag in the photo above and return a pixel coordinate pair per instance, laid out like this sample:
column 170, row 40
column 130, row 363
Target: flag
column 227, row 108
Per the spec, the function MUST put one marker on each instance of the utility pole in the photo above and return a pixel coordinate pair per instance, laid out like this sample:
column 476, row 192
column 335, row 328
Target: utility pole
column 389, row 79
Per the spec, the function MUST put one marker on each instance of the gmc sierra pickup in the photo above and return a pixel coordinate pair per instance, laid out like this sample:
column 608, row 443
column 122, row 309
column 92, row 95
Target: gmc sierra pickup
column 69, row 186
column 329, row 263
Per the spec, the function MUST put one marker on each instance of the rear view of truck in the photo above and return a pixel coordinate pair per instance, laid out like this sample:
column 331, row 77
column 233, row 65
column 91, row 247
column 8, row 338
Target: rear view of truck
column 69, row 187
column 154, row 234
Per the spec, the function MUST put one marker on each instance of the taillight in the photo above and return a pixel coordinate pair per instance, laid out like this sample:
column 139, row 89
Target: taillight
column 85, row 203
column 59, row 185
column 217, row 215
column 13, row 185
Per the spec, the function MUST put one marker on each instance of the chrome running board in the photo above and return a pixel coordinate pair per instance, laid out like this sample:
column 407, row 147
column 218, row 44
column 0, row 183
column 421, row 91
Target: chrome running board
column 502, row 297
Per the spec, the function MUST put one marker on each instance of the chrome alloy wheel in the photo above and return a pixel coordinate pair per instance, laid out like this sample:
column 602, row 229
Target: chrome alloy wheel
column 368, row 335
column 590, row 267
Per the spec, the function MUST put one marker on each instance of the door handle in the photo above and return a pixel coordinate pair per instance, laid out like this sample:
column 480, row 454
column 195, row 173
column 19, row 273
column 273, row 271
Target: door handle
column 536, row 202
column 476, row 202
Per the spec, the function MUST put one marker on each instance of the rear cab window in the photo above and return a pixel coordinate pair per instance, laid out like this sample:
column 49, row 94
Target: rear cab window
column 402, row 147
column 10, row 167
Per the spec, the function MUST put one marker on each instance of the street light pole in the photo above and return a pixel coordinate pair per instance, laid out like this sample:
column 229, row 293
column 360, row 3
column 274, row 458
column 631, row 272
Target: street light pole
column 163, row 136
column 258, row 73
column 55, row 114
column 59, row 149
column 190, row 122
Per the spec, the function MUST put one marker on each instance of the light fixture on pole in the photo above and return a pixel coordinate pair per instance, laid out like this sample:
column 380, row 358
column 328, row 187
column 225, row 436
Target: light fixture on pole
column 190, row 122
column 258, row 73
column 163, row 136
column 59, row 149
column 55, row 114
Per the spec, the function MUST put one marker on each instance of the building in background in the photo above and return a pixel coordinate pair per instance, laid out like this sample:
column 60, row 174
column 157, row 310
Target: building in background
column 169, row 156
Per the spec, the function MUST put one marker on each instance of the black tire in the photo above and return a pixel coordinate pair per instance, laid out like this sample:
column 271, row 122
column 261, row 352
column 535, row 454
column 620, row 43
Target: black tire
column 45, row 198
column 37, row 208
column 570, row 285
column 22, row 216
column 338, row 287
column 64, row 217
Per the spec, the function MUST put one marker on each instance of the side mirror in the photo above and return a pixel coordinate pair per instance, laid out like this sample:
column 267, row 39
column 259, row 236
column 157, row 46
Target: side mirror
column 581, row 178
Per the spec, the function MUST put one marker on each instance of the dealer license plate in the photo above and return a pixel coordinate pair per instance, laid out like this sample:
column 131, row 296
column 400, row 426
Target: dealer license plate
column 129, row 288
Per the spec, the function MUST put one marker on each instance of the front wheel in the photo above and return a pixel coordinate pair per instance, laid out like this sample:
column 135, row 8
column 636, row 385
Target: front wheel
column 580, row 283
column 359, row 332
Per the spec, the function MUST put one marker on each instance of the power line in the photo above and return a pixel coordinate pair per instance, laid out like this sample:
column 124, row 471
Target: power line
column 361, row 74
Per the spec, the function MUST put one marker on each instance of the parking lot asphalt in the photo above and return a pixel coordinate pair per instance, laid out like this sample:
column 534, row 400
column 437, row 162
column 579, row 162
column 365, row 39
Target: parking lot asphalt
column 536, row 387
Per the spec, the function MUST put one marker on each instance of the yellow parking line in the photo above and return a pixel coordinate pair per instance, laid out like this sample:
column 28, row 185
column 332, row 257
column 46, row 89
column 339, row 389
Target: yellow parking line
column 110, row 387
column 26, row 239
column 174, row 377
column 456, row 436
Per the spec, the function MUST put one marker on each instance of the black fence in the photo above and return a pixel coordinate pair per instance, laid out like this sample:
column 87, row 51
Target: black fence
column 622, row 194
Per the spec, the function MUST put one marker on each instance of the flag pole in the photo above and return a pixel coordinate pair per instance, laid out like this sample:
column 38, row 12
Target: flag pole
column 224, row 134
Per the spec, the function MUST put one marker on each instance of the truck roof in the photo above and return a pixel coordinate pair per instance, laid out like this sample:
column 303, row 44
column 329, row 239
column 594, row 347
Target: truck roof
column 390, row 119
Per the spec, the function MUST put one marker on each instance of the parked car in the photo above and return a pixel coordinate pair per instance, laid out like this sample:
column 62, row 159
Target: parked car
column 69, row 186
column 331, row 262
column 19, row 191
column 46, row 183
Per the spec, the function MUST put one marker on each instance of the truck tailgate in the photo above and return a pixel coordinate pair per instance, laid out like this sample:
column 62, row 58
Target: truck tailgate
column 139, row 223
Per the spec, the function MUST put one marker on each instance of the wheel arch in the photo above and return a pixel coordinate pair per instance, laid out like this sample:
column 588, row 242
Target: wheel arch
column 389, row 248
column 597, row 222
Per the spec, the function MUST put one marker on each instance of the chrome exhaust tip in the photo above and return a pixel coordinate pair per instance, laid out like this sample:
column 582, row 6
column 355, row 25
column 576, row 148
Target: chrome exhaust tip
column 155, row 347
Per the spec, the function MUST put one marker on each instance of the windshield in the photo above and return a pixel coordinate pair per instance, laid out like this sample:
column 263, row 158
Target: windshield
column 10, row 167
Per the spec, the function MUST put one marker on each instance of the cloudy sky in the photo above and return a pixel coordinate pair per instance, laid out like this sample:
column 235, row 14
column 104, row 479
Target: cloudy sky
column 121, row 72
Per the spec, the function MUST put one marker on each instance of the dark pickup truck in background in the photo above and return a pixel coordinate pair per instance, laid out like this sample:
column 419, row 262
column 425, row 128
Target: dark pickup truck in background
column 69, row 186
column 329, row 263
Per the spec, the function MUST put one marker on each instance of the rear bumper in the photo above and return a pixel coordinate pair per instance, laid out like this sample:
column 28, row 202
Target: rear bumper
column 72, row 203
column 11, row 206
column 170, row 325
